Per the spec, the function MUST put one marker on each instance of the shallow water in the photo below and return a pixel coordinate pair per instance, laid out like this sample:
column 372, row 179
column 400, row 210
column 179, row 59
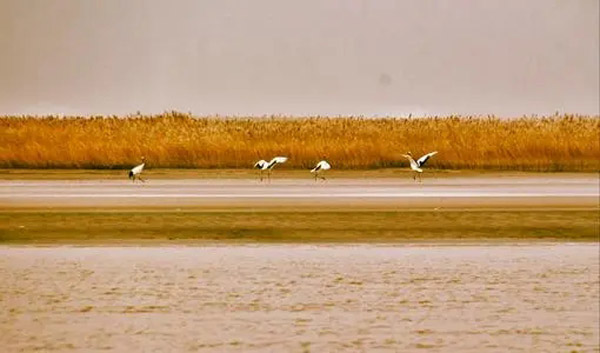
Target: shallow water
column 299, row 298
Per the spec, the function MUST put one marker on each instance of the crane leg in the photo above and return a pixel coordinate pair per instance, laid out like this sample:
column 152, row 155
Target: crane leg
column 142, row 180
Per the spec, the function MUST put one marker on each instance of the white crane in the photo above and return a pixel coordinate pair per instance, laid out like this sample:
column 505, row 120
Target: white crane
column 263, row 165
column 136, row 172
column 416, row 165
column 320, row 168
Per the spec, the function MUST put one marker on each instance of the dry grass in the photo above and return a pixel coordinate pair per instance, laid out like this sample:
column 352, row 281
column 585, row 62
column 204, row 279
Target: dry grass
column 174, row 140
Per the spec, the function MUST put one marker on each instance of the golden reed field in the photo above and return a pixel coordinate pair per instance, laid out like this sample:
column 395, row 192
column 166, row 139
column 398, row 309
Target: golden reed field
column 176, row 140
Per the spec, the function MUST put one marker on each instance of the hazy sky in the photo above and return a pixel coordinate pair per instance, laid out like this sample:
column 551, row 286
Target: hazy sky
column 257, row 57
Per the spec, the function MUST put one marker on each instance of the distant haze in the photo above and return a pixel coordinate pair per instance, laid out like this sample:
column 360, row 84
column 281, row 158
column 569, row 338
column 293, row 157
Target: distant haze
column 300, row 57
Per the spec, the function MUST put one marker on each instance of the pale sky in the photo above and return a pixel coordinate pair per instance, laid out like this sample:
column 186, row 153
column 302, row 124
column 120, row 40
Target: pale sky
column 303, row 57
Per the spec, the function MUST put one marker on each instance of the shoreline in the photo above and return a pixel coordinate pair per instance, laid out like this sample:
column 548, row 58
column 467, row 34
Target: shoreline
column 278, row 174
column 424, row 243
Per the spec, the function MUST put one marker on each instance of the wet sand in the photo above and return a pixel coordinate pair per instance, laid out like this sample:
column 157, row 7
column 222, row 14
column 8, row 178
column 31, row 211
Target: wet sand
column 301, row 298
column 523, row 191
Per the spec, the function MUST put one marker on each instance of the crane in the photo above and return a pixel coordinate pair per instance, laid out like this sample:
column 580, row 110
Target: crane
column 321, row 167
column 136, row 172
column 416, row 165
column 263, row 166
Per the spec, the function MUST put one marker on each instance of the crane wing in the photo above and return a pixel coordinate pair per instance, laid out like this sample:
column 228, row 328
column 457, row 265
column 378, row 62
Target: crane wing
column 138, row 169
column 275, row 161
column 260, row 164
column 278, row 160
column 324, row 165
column 421, row 161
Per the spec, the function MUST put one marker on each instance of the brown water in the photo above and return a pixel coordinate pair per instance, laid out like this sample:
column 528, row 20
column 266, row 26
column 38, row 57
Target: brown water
column 299, row 298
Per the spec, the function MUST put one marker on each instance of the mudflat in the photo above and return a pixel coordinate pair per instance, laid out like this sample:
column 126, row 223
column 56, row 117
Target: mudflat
column 500, row 206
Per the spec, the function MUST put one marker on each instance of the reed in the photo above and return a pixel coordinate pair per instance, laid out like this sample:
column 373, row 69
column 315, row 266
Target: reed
column 176, row 140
